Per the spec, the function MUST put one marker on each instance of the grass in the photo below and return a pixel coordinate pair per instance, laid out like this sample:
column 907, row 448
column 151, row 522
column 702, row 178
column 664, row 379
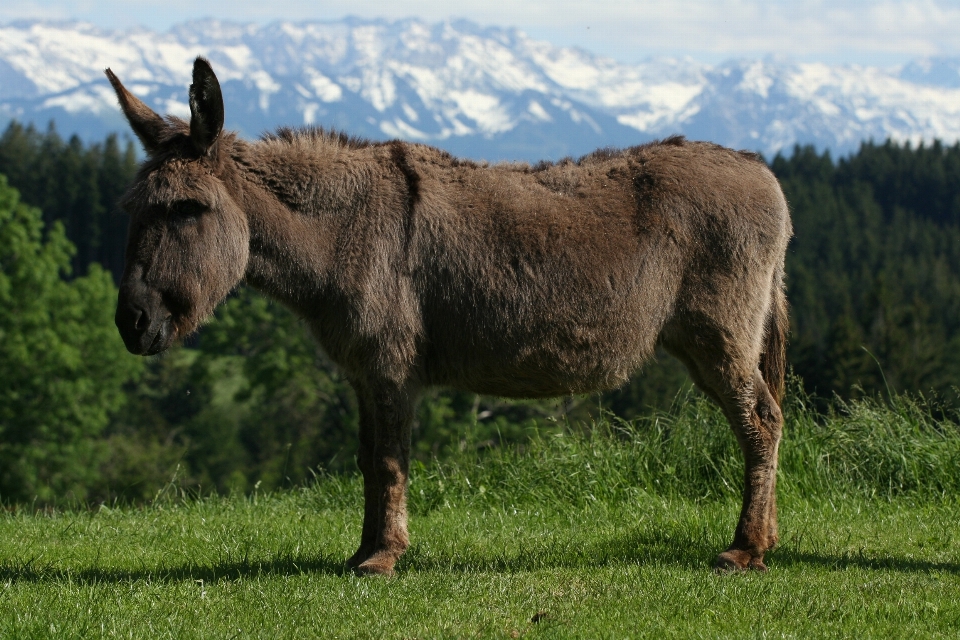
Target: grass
column 603, row 533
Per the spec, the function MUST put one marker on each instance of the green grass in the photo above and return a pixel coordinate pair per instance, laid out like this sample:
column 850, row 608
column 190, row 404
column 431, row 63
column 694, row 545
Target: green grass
column 606, row 533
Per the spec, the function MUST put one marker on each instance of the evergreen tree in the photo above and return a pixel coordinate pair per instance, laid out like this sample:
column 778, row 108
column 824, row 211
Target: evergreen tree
column 874, row 269
column 62, row 364
column 77, row 184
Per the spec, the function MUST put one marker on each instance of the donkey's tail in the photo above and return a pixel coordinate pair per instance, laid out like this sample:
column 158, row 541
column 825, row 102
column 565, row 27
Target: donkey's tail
column 773, row 361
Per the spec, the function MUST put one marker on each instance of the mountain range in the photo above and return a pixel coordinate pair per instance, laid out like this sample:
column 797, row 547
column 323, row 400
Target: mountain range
column 482, row 92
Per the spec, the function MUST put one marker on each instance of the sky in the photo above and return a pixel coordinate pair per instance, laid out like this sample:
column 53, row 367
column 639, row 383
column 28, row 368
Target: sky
column 886, row 32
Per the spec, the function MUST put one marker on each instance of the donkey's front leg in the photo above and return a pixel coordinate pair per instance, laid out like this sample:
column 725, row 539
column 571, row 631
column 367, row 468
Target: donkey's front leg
column 385, row 464
column 365, row 460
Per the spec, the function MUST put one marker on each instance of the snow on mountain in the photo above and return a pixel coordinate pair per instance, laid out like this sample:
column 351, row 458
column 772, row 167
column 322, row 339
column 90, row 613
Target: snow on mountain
column 483, row 92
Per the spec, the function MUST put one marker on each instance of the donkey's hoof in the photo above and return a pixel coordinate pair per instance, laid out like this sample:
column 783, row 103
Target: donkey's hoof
column 736, row 560
column 358, row 558
column 379, row 564
column 372, row 568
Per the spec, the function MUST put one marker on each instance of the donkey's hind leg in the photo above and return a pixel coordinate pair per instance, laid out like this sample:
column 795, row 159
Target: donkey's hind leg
column 757, row 423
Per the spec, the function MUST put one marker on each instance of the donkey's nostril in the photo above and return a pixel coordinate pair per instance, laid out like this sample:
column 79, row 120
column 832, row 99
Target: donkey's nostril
column 140, row 320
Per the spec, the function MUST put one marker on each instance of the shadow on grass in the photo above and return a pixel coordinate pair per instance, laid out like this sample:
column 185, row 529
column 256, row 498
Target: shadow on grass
column 666, row 548
column 560, row 553
column 279, row 566
column 677, row 547
column 788, row 557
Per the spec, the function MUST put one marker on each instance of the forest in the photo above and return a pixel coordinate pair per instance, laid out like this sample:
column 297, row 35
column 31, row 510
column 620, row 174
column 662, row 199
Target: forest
column 873, row 276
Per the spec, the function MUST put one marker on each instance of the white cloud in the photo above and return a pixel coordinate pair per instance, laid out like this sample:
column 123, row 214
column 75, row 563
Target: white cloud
column 35, row 10
column 827, row 30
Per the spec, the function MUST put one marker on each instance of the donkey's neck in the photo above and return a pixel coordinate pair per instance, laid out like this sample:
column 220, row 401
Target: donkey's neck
column 303, row 203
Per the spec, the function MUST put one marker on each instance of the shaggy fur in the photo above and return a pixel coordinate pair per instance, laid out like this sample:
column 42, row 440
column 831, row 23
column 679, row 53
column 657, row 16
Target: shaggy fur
column 414, row 268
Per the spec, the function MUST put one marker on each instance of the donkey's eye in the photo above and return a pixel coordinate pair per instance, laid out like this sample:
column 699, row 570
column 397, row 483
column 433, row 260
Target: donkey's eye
column 187, row 210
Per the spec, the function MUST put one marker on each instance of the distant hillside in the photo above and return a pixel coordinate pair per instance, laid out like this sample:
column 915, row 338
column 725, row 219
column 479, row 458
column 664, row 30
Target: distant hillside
column 481, row 92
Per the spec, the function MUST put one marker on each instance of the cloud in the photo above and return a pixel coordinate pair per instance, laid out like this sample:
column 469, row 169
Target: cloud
column 837, row 30
column 34, row 11
column 804, row 29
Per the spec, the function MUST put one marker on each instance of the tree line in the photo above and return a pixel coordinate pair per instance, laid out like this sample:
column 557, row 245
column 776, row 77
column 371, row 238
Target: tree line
column 873, row 280
column 874, row 269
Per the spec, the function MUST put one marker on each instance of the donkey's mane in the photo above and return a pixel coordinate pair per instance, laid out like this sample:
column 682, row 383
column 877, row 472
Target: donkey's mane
column 320, row 137
column 317, row 136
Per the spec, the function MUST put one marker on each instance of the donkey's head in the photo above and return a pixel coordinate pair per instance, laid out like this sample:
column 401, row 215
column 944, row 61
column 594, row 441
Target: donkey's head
column 188, row 242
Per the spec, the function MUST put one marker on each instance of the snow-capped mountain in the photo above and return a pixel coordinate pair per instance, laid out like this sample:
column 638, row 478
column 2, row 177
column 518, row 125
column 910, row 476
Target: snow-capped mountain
column 482, row 92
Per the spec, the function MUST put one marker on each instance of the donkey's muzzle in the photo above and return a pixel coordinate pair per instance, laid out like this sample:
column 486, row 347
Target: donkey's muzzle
column 146, row 329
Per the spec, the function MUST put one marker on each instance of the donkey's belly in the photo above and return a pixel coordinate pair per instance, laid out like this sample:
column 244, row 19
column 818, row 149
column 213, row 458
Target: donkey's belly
column 541, row 384
column 547, row 331
column 537, row 364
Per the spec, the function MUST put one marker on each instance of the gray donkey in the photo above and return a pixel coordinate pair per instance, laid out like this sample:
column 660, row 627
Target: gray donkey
column 413, row 268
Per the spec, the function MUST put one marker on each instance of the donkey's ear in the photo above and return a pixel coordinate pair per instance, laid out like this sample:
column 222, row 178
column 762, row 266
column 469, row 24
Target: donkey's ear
column 206, row 107
column 147, row 124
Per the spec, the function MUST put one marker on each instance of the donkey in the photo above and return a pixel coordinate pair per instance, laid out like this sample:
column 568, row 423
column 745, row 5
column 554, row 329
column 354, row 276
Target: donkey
column 413, row 269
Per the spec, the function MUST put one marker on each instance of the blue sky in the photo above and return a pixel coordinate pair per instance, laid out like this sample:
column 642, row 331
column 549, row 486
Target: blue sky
column 833, row 31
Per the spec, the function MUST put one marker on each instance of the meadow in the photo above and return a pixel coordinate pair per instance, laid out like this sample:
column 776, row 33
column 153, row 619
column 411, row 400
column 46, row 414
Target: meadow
column 605, row 530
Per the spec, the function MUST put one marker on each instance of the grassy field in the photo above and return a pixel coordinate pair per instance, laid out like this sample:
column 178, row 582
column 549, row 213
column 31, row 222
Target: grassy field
column 609, row 532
